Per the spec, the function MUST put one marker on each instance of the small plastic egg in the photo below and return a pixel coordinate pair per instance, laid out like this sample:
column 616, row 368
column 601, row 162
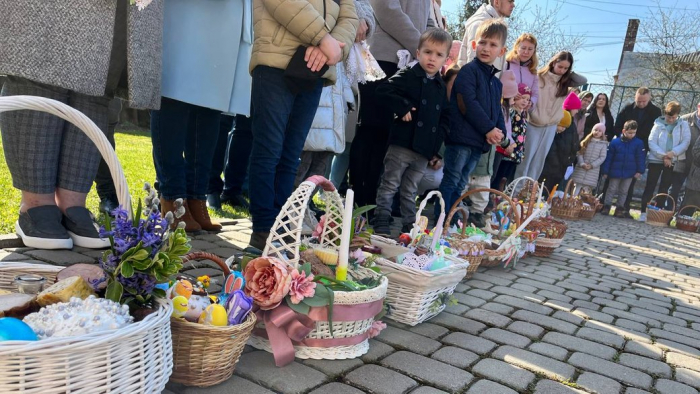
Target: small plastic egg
column 214, row 315
column 12, row 329
column 180, row 306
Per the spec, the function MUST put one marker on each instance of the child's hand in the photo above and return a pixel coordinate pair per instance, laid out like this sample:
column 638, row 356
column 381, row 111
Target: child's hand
column 435, row 163
column 495, row 136
column 511, row 148
column 638, row 175
column 407, row 117
column 315, row 58
column 587, row 166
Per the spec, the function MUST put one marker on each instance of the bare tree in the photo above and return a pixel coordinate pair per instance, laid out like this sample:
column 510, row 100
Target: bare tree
column 455, row 21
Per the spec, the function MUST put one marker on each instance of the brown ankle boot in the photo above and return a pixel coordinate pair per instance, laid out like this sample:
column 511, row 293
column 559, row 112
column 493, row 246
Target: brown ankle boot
column 198, row 209
column 191, row 225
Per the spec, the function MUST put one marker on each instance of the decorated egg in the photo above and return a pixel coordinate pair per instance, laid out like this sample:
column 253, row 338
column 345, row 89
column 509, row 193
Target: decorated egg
column 180, row 306
column 214, row 315
column 182, row 287
column 405, row 239
column 12, row 329
column 196, row 305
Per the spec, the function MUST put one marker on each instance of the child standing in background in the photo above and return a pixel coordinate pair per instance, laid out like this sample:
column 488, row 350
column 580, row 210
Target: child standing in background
column 624, row 162
column 512, row 157
column 592, row 155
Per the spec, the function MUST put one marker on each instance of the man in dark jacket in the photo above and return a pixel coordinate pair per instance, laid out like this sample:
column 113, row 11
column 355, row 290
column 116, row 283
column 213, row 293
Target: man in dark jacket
column 644, row 113
column 418, row 98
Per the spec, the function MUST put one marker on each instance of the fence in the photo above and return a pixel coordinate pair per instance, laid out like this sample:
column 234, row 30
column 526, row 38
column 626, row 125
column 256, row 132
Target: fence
column 623, row 95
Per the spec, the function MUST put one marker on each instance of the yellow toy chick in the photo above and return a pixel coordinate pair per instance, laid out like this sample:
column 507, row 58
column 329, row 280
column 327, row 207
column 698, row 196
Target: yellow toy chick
column 179, row 306
column 182, row 287
column 214, row 315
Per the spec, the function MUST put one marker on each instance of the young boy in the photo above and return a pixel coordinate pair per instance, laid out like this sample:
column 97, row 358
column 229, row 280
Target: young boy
column 417, row 97
column 476, row 118
column 625, row 161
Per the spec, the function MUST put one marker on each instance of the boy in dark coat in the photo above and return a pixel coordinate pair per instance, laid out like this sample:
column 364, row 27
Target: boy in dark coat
column 625, row 161
column 417, row 96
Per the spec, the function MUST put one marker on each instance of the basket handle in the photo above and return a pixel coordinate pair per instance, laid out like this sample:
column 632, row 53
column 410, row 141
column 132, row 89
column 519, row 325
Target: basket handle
column 207, row 256
column 513, row 186
column 456, row 205
column 321, row 182
column 86, row 125
column 423, row 203
column 687, row 206
column 673, row 200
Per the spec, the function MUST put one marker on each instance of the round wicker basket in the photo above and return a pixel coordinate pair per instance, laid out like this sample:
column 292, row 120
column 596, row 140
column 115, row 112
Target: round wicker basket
column 687, row 223
column 661, row 217
column 567, row 207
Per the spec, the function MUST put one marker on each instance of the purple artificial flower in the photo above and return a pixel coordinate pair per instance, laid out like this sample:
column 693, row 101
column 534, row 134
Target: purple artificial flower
column 141, row 284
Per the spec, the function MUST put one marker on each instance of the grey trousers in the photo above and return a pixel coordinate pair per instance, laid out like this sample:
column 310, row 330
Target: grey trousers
column 313, row 163
column 43, row 151
column 537, row 144
column 403, row 171
column 619, row 187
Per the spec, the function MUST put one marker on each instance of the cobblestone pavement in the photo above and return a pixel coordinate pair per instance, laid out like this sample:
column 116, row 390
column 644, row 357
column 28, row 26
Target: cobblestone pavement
column 616, row 309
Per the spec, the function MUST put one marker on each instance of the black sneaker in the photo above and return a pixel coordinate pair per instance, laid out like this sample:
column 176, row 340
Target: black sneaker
column 82, row 228
column 237, row 201
column 41, row 228
column 382, row 225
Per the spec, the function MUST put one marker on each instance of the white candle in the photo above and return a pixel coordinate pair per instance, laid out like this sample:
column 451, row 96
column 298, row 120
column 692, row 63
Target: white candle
column 438, row 230
column 341, row 271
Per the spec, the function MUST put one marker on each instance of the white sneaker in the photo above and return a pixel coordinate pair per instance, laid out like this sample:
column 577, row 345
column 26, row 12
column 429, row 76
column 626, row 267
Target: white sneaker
column 643, row 217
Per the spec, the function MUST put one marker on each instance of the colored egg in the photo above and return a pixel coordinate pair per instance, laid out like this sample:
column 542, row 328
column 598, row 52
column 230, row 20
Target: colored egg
column 12, row 329
column 180, row 306
column 214, row 315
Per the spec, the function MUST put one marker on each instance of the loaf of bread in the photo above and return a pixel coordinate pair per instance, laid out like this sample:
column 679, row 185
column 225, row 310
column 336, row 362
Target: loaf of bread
column 17, row 305
column 74, row 286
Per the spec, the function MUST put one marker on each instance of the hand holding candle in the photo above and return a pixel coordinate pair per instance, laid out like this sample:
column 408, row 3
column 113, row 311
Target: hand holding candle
column 341, row 271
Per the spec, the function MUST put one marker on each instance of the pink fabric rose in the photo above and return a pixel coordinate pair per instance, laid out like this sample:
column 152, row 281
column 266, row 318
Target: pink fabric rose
column 267, row 280
column 302, row 286
column 377, row 327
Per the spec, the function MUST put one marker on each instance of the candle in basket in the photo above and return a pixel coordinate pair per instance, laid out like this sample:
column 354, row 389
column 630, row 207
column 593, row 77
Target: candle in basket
column 341, row 271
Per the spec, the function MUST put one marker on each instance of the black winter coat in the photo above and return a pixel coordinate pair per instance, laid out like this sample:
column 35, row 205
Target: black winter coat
column 411, row 88
column 651, row 112
column 592, row 119
column 561, row 155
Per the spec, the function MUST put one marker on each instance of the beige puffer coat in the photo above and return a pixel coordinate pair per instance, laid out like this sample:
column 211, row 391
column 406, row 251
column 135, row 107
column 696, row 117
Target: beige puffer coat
column 281, row 26
column 548, row 110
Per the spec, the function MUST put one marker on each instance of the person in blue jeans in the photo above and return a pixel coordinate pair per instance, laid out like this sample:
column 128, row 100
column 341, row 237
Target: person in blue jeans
column 476, row 118
column 231, row 157
column 283, row 110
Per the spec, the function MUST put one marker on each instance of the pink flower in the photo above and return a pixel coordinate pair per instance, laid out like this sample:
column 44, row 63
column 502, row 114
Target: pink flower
column 302, row 286
column 267, row 280
column 377, row 327
column 358, row 255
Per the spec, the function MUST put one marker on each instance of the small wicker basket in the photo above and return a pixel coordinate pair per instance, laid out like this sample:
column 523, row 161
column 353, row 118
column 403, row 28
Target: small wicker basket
column 459, row 241
column 207, row 355
column 8, row 271
column 551, row 233
column 687, row 223
column 567, row 207
column 660, row 217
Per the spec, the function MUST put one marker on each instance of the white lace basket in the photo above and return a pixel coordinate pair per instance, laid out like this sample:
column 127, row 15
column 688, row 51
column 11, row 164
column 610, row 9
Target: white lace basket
column 283, row 243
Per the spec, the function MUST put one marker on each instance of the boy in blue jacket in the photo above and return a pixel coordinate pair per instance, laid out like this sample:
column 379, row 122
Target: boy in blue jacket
column 624, row 162
column 476, row 118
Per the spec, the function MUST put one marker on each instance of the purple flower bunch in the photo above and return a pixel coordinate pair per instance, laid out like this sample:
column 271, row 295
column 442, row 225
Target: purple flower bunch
column 139, row 284
column 149, row 231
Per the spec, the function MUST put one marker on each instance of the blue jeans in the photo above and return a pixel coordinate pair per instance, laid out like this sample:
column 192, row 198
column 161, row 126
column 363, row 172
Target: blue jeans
column 216, row 184
column 180, row 128
column 460, row 161
column 240, row 142
column 281, row 122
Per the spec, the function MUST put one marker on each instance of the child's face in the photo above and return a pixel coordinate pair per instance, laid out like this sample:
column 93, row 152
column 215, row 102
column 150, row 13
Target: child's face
column 561, row 67
column 597, row 133
column 525, row 51
column 432, row 56
column 629, row 133
column 488, row 49
column 522, row 101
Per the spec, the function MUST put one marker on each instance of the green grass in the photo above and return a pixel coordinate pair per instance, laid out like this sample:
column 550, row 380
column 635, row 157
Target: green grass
column 134, row 152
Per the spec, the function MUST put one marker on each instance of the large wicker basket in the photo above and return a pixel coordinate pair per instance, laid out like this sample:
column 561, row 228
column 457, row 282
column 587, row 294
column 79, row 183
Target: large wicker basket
column 350, row 335
column 134, row 359
column 688, row 223
column 207, row 355
column 530, row 195
column 567, row 207
column 551, row 234
column 661, row 217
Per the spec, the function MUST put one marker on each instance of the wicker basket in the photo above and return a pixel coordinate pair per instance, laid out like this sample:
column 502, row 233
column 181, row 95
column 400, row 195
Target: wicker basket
column 207, row 355
column 8, row 271
column 350, row 337
column 587, row 211
column 687, row 223
column 567, row 207
column 661, row 217
column 459, row 240
column 133, row 359
column 544, row 247
column 530, row 194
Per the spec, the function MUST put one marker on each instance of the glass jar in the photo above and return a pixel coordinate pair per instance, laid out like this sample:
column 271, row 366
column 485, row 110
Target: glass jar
column 30, row 283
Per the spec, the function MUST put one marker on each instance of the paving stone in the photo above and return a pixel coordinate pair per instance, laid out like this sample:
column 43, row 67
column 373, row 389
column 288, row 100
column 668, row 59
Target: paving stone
column 545, row 386
column 336, row 388
column 527, row 329
column 453, row 355
column 377, row 351
column 259, row 367
column 379, row 380
column 683, row 360
column 547, row 349
column 622, row 332
column 523, row 304
column 664, row 386
column 658, row 316
column 671, row 346
column 488, row 387
column 483, row 294
column 469, row 342
column 430, row 371
column 568, row 317
column 586, row 304
column 652, row 367
column 554, row 296
column 458, row 323
column 505, row 337
column 688, row 376
column 457, row 309
column 517, row 293
column 610, row 303
column 498, row 308
column 333, row 368
column 682, row 331
column 427, row 390
column 595, row 315
column 631, row 316
column 632, row 325
column 504, row 373
column 572, row 286
column 492, row 279
column 644, row 349
column 560, row 306
column 535, row 362
column 60, row 257
column 580, row 345
column 686, row 316
column 543, row 286
column 488, row 317
column 578, row 296
column 429, row 330
column 545, row 321
column 605, row 338
column 479, row 284
column 612, row 370
column 652, row 305
column 403, row 339
column 468, row 300
column 234, row 385
column 598, row 384
column 524, row 287
column 602, row 294
column 675, row 337
column 12, row 256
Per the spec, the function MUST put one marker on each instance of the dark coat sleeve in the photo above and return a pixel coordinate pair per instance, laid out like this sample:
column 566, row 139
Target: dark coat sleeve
column 610, row 132
column 465, row 86
column 641, row 156
column 396, row 91
column 622, row 117
column 605, row 168
column 696, row 152
column 444, row 125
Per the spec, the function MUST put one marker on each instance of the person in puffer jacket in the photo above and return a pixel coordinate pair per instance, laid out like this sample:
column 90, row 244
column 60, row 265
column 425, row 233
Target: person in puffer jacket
column 624, row 162
column 594, row 149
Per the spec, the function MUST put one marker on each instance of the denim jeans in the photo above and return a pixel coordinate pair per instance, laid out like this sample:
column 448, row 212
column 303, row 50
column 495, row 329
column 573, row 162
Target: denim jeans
column 218, row 162
column 281, row 122
column 460, row 161
column 180, row 128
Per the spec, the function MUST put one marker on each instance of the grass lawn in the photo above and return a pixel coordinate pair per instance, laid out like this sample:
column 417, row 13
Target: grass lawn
column 134, row 152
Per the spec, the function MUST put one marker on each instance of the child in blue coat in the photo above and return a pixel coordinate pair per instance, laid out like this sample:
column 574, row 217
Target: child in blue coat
column 625, row 161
